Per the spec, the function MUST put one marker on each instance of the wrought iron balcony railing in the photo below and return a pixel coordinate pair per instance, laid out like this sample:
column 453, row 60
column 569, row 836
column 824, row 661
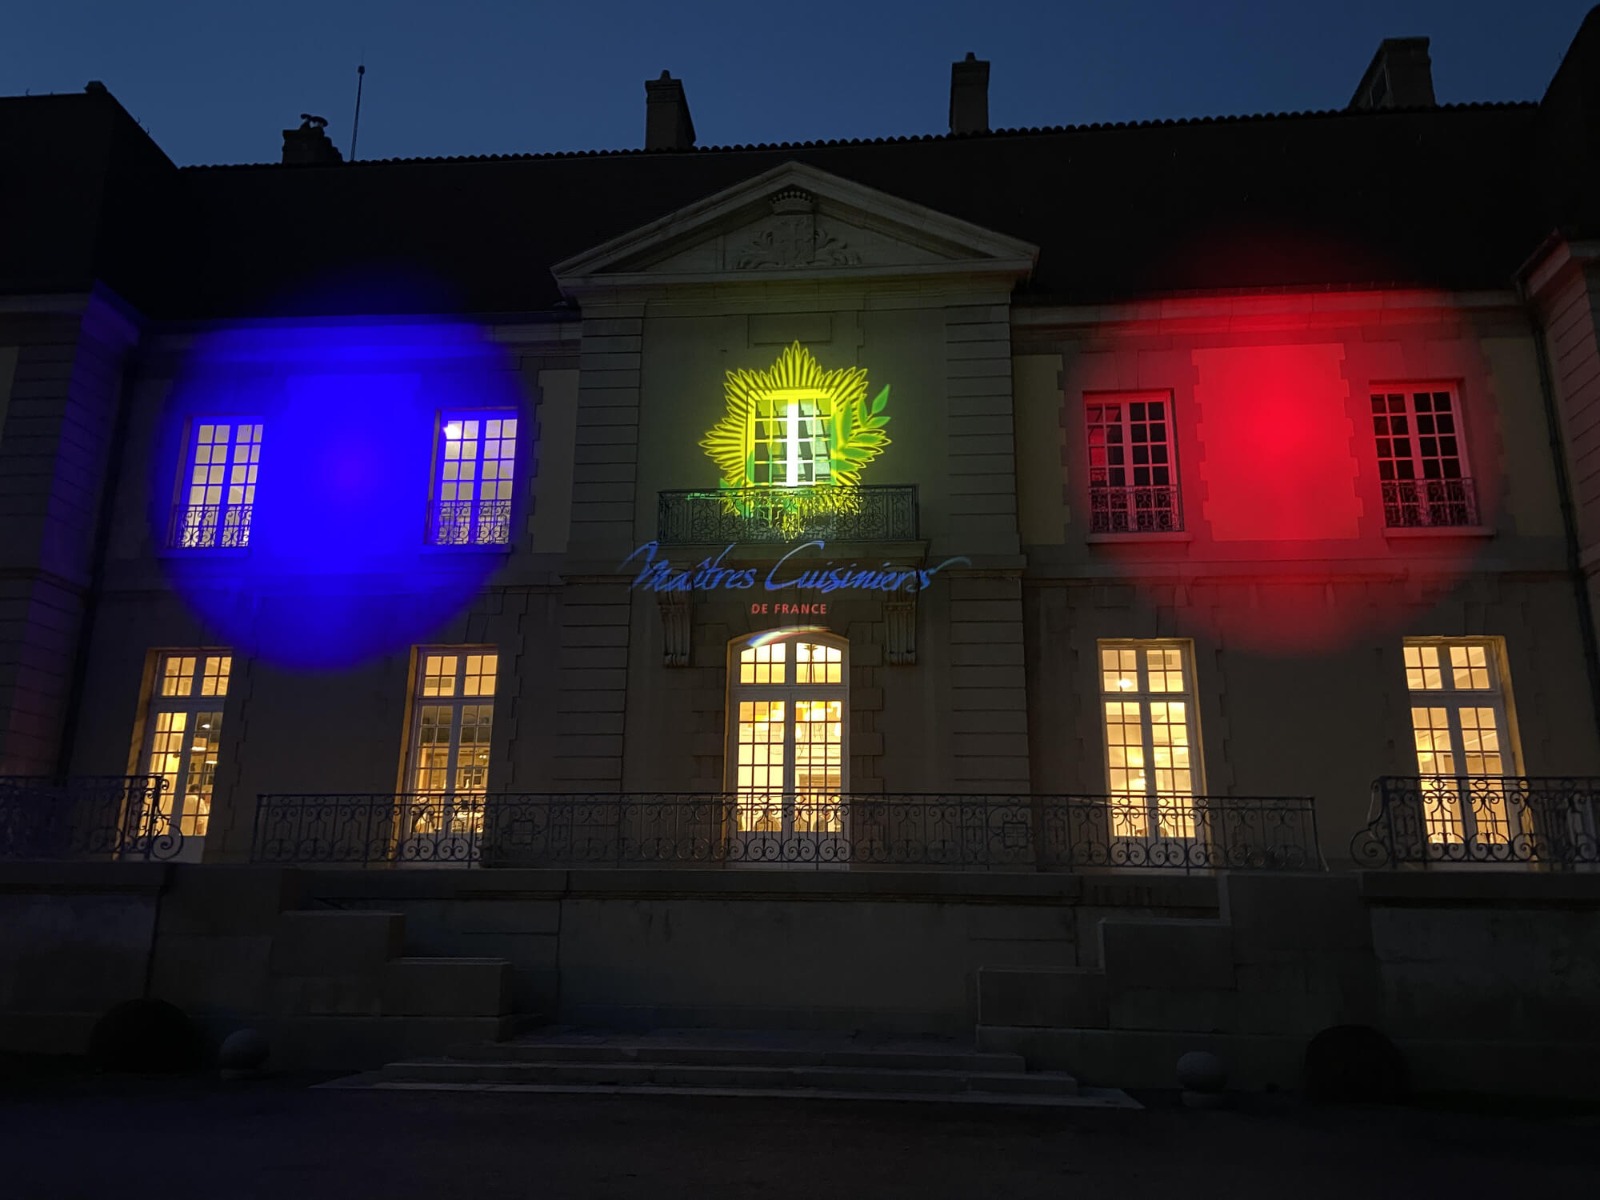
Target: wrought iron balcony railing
column 1422, row 820
column 216, row 526
column 938, row 832
column 1426, row 503
column 90, row 817
column 734, row 515
column 470, row 523
column 1135, row 509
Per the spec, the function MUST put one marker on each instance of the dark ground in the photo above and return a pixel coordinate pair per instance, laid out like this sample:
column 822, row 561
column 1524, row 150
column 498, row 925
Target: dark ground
column 66, row 1136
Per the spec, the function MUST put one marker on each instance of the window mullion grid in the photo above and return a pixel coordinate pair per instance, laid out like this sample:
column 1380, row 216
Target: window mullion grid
column 1453, row 702
column 1130, row 491
column 791, row 657
column 1432, row 494
column 458, row 704
column 1147, row 739
column 187, row 705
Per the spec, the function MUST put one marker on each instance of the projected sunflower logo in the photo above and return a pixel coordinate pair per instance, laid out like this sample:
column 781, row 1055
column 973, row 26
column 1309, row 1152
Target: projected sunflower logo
column 796, row 438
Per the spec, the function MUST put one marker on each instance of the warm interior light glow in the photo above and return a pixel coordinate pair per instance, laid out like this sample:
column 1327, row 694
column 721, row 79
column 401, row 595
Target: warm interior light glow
column 452, row 430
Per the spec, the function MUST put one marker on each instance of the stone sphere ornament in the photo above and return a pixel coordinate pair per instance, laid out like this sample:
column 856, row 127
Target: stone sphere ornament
column 1202, row 1075
column 242, row 1053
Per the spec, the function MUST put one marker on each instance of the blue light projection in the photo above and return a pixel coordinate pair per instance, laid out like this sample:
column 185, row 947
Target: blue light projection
column 338, row 569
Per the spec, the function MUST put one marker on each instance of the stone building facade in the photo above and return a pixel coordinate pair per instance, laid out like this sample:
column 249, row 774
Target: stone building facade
column 1085, row 498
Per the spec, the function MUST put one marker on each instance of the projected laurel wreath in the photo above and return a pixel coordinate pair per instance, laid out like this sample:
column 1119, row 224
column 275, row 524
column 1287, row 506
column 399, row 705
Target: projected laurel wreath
column 796, row 438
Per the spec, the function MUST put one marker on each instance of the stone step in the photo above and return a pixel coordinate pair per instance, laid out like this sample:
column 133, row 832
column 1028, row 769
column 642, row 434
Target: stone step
column 738, row 1055
column 746, row 1076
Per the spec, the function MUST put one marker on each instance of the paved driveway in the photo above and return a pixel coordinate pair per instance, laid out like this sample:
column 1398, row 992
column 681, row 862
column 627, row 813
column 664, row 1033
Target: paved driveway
column 130, row 1139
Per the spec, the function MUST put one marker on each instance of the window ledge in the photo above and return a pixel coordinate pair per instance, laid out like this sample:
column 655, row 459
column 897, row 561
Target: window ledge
column 1176, row 535
column 503, row 549
column 202, row 551
column 1404, row 532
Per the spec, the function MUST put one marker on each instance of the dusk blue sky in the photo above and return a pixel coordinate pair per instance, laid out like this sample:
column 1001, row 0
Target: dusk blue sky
column 219, row 81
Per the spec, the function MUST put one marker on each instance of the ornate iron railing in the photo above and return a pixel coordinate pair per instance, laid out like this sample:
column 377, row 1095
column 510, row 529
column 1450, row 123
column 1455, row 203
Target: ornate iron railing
column 1425, row 503
column 89, row 817
column 735, row 515
column 215, row 526
column 1486, row 821
column 1135, row 509
column 470, row 523
column 947, row 832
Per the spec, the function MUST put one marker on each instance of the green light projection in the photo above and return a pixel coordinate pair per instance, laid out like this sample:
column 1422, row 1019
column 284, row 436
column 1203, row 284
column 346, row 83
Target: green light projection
column 796, row 438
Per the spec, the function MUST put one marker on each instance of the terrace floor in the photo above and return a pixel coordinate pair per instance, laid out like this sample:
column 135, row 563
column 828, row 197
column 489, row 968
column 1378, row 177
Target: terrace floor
column 69, row 1136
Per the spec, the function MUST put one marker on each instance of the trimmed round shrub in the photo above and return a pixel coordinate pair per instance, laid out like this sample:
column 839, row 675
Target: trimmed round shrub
column 1354, row 1064
column 147, row 1037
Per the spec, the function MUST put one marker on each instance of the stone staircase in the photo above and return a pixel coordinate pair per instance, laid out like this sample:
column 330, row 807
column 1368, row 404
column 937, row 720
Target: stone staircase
column 741, row 1063
column 343, row 994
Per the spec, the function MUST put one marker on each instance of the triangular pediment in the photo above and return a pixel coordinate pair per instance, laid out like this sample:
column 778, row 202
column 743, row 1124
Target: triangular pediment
column 795, row 222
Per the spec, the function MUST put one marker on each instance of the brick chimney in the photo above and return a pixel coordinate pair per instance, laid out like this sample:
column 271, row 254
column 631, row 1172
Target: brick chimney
column 1401, row 76
column 667, row 123
column 310, row 143
column 969, row 95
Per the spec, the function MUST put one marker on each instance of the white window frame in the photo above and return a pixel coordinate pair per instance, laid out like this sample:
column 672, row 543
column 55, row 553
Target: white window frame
column 445, row 824
column 177, row 795
column 1130, row 506
column 1147, row 813
column 788, row 413
column 811, row 827
column 1421, row 501
column 478, row 519
column 222, row 522
column 1464, row 808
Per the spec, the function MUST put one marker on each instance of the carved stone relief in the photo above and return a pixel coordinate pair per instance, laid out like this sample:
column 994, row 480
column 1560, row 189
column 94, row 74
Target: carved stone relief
column 676, row 626
column 793, row 237
column 900, row 615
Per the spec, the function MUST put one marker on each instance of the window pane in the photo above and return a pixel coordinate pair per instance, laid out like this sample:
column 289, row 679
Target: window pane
column 1152, row 770
column 219, row 496
column 1424, row 477
column 1132, row 486
column 472, row 489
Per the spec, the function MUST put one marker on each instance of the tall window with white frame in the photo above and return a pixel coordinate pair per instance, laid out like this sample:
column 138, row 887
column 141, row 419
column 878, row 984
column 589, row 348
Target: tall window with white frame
column 217, row 493
column 1422, row 457
column 788, row 708
column 1133, row 467
column 183, row 734
column 1152, row 759
column 447, row 766
column 475, row 468
column 790, row 444
column 1459, row 722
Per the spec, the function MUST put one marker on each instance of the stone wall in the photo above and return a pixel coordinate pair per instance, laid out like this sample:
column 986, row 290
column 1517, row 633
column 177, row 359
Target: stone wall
column 1485, row 981
column 75, row 939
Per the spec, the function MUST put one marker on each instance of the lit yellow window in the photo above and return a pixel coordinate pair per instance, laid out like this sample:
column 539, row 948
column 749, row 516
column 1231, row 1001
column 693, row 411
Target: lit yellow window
column 1459, row 725
column 788, row 706
column 448, row 759
column 183, row 735
column 1151, row 761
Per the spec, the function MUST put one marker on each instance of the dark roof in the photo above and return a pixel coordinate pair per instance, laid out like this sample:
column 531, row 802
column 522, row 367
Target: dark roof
column 1454, row 197
column 1419, row 198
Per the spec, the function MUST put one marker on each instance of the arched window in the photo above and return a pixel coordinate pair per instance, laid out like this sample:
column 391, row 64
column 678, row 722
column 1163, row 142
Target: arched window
column 788, row 755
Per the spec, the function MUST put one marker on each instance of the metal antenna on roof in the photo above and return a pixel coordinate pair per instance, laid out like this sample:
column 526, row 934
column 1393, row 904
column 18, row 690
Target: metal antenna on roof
column 355, row 126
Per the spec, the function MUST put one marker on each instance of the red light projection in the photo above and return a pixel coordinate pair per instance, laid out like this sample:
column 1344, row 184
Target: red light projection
column 1292, row 543
column 1275, row 436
